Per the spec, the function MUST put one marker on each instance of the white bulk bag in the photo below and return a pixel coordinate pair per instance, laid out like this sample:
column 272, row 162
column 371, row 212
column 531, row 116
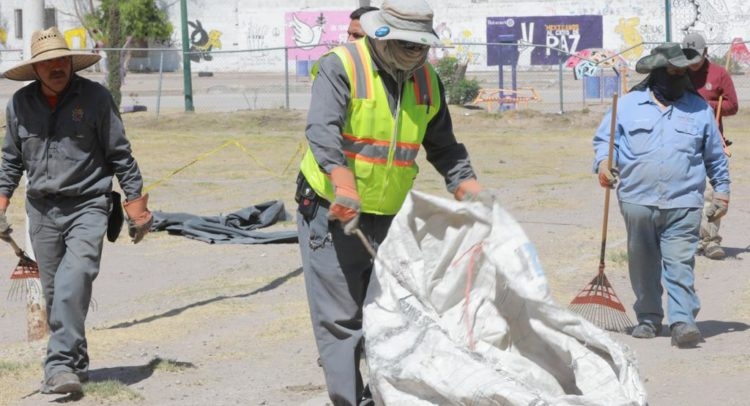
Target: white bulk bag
column 459, row 313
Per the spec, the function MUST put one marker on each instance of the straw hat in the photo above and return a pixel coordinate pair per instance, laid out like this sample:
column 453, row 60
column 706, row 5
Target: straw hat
column 45, row 45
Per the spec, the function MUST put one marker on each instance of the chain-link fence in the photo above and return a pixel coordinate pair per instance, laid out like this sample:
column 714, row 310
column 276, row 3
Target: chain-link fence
column 268, row 78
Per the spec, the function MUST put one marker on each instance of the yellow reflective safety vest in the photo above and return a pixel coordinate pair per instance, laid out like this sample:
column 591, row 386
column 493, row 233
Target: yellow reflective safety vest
column 380, row 149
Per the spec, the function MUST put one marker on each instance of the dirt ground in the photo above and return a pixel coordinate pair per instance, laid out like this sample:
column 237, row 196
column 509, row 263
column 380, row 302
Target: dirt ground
column 182, row 322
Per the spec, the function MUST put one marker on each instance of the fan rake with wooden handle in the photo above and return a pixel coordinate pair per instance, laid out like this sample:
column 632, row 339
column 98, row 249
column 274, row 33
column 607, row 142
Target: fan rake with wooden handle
column 597, row 301
column 25, row 276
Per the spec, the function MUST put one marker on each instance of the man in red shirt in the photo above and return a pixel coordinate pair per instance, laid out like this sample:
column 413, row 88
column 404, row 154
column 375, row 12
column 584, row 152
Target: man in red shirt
column 715, row 85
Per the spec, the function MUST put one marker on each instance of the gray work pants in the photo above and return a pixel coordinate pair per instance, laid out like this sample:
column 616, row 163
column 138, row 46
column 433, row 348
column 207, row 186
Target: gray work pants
column 337, row 271
column 67, row 235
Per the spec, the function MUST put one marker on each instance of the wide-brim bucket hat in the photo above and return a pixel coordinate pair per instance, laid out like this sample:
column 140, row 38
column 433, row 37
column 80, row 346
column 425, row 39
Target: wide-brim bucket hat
column 406, row 20
column 670, row 53
column 45, row 45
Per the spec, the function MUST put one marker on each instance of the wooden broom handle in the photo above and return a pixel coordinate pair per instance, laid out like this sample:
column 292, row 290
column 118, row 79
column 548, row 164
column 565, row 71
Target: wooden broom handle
column 612, row 127
column 719, row 103
column 16, row 248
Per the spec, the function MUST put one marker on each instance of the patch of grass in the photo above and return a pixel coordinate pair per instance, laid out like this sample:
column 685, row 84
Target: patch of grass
column 10, row 367
column 111, row 391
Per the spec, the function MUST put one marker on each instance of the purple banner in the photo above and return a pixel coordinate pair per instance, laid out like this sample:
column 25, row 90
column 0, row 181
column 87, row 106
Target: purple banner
column 568, row 33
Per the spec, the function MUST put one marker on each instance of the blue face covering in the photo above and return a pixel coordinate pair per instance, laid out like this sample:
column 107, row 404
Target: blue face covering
column 667, row 88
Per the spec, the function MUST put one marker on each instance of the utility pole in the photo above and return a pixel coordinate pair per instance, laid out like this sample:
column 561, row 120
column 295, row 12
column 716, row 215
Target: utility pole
column 187, row 80
column 33, row 20
column 668, row 19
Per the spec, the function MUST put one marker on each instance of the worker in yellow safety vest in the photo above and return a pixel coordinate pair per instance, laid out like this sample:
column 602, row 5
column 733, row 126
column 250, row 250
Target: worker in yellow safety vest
column 375, row 103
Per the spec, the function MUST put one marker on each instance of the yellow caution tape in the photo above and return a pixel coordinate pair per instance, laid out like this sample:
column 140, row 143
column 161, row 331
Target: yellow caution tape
column 219, row 148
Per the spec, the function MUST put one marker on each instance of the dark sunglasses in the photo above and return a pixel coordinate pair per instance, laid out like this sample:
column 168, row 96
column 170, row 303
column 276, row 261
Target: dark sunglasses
column 411, row 46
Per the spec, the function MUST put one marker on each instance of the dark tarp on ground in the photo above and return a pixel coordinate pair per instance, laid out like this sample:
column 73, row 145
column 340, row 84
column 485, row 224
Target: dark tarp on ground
column 235, row 228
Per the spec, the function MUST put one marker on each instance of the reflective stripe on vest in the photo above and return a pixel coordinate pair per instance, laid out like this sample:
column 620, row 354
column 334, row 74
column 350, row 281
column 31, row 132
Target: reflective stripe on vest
column 383, row 162
column 377, row 151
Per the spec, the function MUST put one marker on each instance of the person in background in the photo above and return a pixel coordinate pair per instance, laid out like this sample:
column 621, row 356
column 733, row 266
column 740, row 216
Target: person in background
column 65, row 132
column 377, row 102
column 355, row 31
column 666, row 143
column 714, row 84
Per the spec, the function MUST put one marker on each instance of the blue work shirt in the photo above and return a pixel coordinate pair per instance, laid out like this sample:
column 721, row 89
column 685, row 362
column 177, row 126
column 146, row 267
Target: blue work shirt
column 665, row 155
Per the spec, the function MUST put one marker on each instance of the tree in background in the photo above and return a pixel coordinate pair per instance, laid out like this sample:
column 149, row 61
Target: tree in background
column 458, row 89
column 120, row 23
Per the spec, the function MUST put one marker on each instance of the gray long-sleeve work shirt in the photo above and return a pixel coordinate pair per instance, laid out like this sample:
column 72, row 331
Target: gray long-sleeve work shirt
column 72, row 150
column 328, row 108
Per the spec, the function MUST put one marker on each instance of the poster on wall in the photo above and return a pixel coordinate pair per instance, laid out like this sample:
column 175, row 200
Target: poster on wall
column 310, row 34
column 567, row 33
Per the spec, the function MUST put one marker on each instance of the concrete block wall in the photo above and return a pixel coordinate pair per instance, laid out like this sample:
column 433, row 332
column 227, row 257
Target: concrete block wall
column 236, row 27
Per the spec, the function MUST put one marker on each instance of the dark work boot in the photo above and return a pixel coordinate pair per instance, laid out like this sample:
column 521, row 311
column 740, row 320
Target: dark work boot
column 62, row 383
column 646, row 330
column 685, row 335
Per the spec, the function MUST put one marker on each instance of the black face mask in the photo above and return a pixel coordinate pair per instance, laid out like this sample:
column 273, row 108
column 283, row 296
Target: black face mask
column 667, row 88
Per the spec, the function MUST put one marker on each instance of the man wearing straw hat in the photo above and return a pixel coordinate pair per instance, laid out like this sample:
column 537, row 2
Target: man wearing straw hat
column 666, row 142
column 65, row 132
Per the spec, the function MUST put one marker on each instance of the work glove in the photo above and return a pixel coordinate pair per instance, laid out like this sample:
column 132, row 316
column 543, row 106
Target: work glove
column 345, row 207
column 139, row 218
column 468, row 190
column 608, row 177
column 719, row 206
column 471, row 190
column 5, row 228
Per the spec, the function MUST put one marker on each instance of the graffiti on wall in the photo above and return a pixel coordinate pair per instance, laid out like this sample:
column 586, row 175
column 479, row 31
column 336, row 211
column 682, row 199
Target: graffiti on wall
column 631, row 37
column 202, row 42
column 76, row 38
column 464, row 54
column 261, row 36
column 310, row 34
column 739, row 52
column 711, row 18
column 307, row 36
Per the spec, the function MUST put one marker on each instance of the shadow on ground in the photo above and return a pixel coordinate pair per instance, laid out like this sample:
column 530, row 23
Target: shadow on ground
column 710, row 328
column 174, row 312
column 127, row 375
column 734, row 253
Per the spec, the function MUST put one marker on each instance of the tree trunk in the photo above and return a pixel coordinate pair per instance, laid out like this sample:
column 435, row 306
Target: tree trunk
column 114, row 75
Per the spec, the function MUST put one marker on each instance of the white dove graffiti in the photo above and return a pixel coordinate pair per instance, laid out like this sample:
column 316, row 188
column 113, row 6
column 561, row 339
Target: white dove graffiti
column 306, row 36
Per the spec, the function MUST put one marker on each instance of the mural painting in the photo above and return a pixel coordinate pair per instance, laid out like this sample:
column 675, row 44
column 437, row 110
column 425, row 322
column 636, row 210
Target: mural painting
column 260, row 36
column 76, row 38
column 202, row 42
column 3, row 41
column 465, row 54
column 310, row 34
column 739, row 52
column 628, row 28
column 631, row 37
